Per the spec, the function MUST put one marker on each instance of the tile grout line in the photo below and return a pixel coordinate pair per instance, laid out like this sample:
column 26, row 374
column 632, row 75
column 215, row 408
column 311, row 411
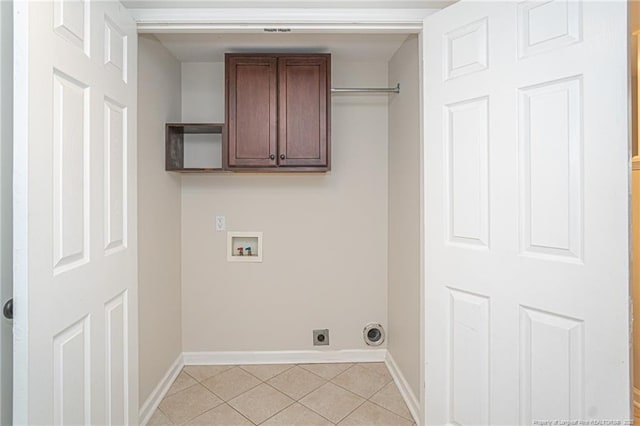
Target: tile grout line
column 243, row 416
column 282, row 372
column 360, row 396
column 208, row 377
column 392, row 412
column 346, row 390
column 185, row 372
column 359, row 405
column 302, row 405
column 282, row 409
column 312, row 372
column 241, row 393
column 325, row 381
column 182, row 390
column 385, row 408
column 317, row 375
column 212, row 408
column 164, row 414
column 352, row 392
column 351, row 412
column 297, row 401
column 226, row 402
column 314, row 411
column 397, row 414
column 265, row 383
column 311, row 391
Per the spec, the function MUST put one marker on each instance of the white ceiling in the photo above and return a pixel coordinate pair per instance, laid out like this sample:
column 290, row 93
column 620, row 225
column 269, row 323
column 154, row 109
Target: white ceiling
column 343, row 47
column 209, row 46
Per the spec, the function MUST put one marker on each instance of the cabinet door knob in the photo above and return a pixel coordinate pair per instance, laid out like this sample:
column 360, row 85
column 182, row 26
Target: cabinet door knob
column 272, row 156
column 282, row 156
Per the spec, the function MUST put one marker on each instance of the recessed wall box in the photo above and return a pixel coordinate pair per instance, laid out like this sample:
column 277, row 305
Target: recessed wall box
column 244, row 246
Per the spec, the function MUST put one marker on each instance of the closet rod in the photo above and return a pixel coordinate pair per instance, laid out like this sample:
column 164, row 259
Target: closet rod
column 366, row 89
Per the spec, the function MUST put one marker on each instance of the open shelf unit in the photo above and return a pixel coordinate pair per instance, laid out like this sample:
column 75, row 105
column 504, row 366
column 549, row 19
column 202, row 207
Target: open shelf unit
column 176, row 145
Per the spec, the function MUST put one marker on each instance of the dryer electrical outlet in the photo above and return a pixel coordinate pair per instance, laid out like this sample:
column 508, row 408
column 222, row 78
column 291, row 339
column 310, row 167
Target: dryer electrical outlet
column 321, row 337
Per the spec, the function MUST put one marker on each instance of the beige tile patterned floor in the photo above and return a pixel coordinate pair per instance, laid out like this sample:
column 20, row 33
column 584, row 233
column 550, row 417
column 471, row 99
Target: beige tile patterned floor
column 284, row 395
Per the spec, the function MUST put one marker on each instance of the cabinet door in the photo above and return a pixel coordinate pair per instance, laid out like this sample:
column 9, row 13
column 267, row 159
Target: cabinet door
column 303, row 96
column 251, row 110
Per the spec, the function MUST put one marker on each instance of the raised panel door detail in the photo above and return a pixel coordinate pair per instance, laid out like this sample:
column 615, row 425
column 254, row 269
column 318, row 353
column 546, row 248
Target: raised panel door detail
column 467, row 185
column 115, row 49
column 551, row 168
column 117, row 360
column 71, row 22
column 115, row 126
column 549, row 25
column 71, row 375
column 74, row 125
column 466, row 50
column 70, row 173
column 303, row 111
column 551, row 366
column 469, row 358
column 252, row 111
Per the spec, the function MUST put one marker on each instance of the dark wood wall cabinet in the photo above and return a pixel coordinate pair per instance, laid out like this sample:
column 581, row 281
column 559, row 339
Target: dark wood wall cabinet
column 278, row 112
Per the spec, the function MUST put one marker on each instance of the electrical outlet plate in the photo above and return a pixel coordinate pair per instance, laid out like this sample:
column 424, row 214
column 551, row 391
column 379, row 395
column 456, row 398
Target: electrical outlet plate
column 321, row 337
column 221, row 223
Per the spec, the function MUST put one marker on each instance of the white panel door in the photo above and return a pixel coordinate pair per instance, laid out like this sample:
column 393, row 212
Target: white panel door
column 6, row 161
column 526, row 212
column 75, row 225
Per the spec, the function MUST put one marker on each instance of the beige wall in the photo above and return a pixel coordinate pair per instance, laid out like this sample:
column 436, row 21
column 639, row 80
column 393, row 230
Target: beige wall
column 325, row 235
column 404, row 213
column 160, row 318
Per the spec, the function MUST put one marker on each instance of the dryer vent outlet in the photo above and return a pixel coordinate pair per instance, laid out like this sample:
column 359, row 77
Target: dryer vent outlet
column 373, row 334
column 321, row 337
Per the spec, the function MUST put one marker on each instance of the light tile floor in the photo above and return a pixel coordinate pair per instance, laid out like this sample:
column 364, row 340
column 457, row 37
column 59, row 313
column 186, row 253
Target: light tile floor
column 278, row 395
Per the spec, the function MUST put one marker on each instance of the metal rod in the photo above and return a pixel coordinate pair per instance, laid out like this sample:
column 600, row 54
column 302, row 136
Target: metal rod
column 366, row 89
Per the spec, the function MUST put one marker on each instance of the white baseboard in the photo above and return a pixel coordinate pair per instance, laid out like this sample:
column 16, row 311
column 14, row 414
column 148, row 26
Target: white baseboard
column 152, row 402
column 404, row 388
column 283, row 357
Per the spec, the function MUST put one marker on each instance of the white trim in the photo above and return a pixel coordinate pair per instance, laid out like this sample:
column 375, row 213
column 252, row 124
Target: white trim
column 423, row 301
column 20, row 211
column 152, row 402
column 241, row 28
column 403, row 386
column 295, row 19
column 283, row 357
